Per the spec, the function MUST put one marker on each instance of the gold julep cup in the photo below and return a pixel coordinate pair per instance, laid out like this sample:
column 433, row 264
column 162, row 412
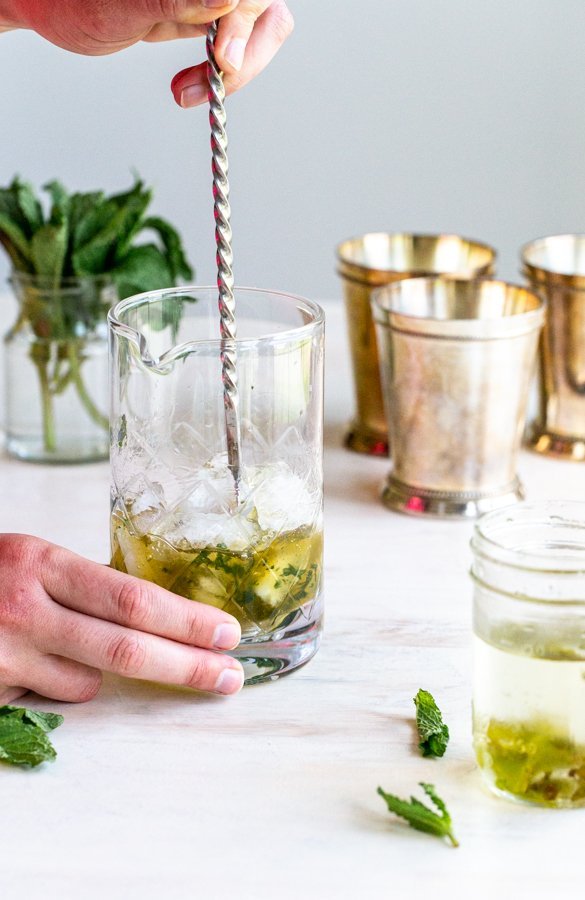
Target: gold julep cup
column 555, row 269
column 457, row 358
column 369, row 262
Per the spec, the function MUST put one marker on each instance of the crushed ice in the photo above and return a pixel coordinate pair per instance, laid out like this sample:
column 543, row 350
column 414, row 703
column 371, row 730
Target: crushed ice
column 272, row 499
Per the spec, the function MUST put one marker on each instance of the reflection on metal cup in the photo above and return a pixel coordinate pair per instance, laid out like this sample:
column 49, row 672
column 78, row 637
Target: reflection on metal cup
column 555, row 269
column 457, row 358
column 371, row 261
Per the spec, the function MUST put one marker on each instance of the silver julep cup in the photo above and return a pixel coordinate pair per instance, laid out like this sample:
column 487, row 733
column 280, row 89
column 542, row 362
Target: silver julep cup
column 555, row 268
column 456, row 362
column 374, row 260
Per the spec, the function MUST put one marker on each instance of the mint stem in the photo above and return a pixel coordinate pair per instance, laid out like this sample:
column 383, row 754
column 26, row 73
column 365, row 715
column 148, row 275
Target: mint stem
column 49, row 437
column 88, row 404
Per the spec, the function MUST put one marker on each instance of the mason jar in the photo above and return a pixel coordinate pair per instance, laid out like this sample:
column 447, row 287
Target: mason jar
column 252, row 547
column 529, row 652
column 56, row 369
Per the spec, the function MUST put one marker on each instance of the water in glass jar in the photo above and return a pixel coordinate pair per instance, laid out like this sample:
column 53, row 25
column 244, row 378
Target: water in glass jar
column 529, row 719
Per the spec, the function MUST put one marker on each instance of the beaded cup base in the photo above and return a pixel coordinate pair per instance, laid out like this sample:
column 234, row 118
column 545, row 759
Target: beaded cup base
column 364, row 440
column 561, row 446
column 413, row 501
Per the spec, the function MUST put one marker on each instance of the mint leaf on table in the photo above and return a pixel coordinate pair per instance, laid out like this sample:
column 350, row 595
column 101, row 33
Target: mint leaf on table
column 433, row 733
column 422, row 817
column 23, row 736
column 47, row 721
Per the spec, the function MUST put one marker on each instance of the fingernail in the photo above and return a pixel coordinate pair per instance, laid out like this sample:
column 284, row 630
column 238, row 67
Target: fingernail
column 234, row 53
column 193, row 95
column 226, row 636
column 230, row 681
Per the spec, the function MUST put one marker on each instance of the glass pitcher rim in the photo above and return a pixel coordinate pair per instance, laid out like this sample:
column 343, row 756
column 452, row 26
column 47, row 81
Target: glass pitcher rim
column 122, row 328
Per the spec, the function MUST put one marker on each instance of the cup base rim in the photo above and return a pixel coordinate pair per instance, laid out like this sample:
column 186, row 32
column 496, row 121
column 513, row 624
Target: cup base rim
column 547, row 443
column 265, row 661
column 414, row 501
column 361, row 439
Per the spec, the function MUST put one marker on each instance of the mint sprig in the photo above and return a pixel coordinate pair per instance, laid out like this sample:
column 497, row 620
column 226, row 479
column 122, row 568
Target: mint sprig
column 66, row 254
column 89, row 234
column 432, row 731
column 420, row 816
column 23, row 736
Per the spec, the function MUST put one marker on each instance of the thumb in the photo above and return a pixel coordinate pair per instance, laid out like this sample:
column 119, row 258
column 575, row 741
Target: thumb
column 190, row 12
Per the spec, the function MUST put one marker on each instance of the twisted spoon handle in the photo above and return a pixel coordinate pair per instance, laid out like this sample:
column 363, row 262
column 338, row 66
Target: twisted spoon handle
column 224, row 257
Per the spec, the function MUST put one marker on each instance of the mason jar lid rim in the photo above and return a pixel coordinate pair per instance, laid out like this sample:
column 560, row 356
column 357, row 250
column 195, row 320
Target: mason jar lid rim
column 546, row 513
column 532, row 599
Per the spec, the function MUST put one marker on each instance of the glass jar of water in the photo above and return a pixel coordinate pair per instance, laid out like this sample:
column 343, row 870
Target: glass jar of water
column 529, row 652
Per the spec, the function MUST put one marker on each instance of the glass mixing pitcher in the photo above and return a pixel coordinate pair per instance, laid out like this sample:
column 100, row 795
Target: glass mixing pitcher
column 176, row 518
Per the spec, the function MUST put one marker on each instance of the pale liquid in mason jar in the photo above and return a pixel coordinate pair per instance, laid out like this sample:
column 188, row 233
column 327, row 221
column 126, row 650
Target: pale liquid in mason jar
column 529, row 721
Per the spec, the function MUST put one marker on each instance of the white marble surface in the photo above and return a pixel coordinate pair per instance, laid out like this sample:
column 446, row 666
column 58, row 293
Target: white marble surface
column 168, row 794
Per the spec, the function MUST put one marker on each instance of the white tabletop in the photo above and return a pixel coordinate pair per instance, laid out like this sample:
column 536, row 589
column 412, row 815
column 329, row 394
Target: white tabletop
column 169, row 794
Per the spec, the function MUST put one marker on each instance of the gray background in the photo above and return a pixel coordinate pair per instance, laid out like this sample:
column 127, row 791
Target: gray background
column 461, row 115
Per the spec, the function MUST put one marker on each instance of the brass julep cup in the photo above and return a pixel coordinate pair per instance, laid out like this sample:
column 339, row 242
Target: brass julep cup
column 457, row 358
column 555, row 269
column 371, row 261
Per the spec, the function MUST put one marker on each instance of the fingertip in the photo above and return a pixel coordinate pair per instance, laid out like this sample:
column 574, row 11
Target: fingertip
column 92, row 687
column 227, row 635
column 189, row 86
column 9, row 694
column 192, row 95
column 233, row 55
column 230, row 680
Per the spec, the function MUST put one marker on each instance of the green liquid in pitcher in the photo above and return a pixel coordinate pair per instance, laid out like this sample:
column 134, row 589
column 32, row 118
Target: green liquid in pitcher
column 264, row 586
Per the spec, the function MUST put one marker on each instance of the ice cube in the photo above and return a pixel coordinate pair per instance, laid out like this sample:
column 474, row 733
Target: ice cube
column 144, row 503
column 271, row 499
column 214, row 490
column 212, row 529
column 281, row 498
